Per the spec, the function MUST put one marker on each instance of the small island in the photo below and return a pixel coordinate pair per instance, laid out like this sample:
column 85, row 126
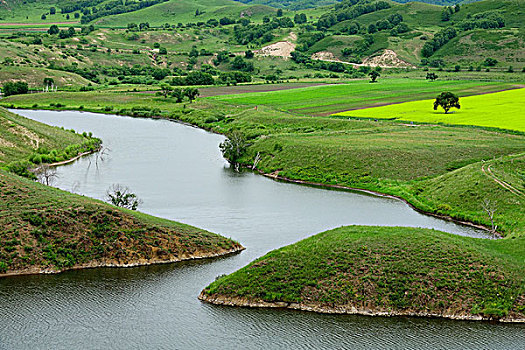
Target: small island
column 382, row 271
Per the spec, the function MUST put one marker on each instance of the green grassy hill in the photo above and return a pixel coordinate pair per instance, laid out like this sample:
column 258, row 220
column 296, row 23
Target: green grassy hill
column 424, row 21
column 175, row 12
column 384, row 271
column 46, row 229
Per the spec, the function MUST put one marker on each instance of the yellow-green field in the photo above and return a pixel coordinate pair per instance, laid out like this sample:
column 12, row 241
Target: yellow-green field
column 504, row 110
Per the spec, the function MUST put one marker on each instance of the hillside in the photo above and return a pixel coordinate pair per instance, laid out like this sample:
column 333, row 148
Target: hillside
column 184, row 11
column 360, row 270
column 165, row 39
column 43, row 229
column 302, row 4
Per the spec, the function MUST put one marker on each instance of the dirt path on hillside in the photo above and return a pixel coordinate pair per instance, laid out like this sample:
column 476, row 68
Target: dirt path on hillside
column 486, row 169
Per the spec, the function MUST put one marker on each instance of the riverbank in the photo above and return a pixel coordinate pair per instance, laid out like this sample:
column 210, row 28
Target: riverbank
column 276, row 177
column 381, row 271
column 47, row 230
column 108, row 263
column 344, row 310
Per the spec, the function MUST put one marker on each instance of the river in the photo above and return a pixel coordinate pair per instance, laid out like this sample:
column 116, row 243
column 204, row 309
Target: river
column 180, row 174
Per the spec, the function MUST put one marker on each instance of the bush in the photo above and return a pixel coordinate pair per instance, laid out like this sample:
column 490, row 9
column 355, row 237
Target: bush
column 15, row 88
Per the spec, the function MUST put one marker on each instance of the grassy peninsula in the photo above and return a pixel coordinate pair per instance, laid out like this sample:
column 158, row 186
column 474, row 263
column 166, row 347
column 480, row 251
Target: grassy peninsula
column 43, row 229
column 383, row 271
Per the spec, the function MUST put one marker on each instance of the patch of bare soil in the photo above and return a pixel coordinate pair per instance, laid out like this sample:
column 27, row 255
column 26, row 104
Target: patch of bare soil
column 282, row 49
column 33, row 139
column 325, row 56
column 387, row 59
column 5, row 143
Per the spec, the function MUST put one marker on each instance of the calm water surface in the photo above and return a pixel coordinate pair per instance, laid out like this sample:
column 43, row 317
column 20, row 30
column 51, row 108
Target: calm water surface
column 179, row 173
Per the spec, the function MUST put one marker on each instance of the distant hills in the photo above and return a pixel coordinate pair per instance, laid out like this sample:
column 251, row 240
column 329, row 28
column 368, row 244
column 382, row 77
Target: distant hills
column 303, row 4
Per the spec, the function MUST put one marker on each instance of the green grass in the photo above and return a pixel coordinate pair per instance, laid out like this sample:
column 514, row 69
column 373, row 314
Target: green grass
column 384, row 156
column 321, row 100
column 30, row 12
column 35, row 76
column 417, row 164
column 471, row 48
column 386, row 269
column 461, row 193
column 20, row 137
column 504, row 110
column 183, row 11
column 45, row 228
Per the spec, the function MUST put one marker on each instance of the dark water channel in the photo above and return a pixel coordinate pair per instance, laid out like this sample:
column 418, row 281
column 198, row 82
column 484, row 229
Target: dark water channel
column 179, row 173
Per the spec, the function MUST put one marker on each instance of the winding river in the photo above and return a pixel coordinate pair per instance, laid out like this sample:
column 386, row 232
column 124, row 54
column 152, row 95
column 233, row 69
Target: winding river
column 180, row 174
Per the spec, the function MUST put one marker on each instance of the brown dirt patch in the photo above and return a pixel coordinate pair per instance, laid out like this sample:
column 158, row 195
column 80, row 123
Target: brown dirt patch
column 282, row 49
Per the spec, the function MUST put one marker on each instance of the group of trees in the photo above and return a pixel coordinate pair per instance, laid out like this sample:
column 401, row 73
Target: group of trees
column 484, row 20
column 70, row 32
column 241, row 64
column 15, row 88
column 440, row 39
column 447, row 12
column 389, row 22
column 260, row 33
column 133, row 27
column 178, row 93
column 194, row 78
column 204, row 78
column 349, row 9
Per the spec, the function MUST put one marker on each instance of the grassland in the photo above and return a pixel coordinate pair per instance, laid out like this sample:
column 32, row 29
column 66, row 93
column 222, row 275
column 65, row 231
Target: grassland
column 383, row 270
column 184, row 12
column 43, row 229
column 447, row 171
column 35, row 77
column 323, row 100
column 384, row 156
column 501, row 110
column 20, row 137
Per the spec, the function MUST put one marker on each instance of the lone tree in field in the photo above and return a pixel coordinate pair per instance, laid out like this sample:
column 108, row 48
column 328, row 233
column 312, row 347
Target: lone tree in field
column 191, row 93
column 122, row 196
column 432, row 76
column 374, row 75
column 234, row 147
column 446, row 100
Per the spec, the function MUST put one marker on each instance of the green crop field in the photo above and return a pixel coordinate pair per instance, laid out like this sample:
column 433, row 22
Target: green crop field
column 504, row 110
column 322, row 100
